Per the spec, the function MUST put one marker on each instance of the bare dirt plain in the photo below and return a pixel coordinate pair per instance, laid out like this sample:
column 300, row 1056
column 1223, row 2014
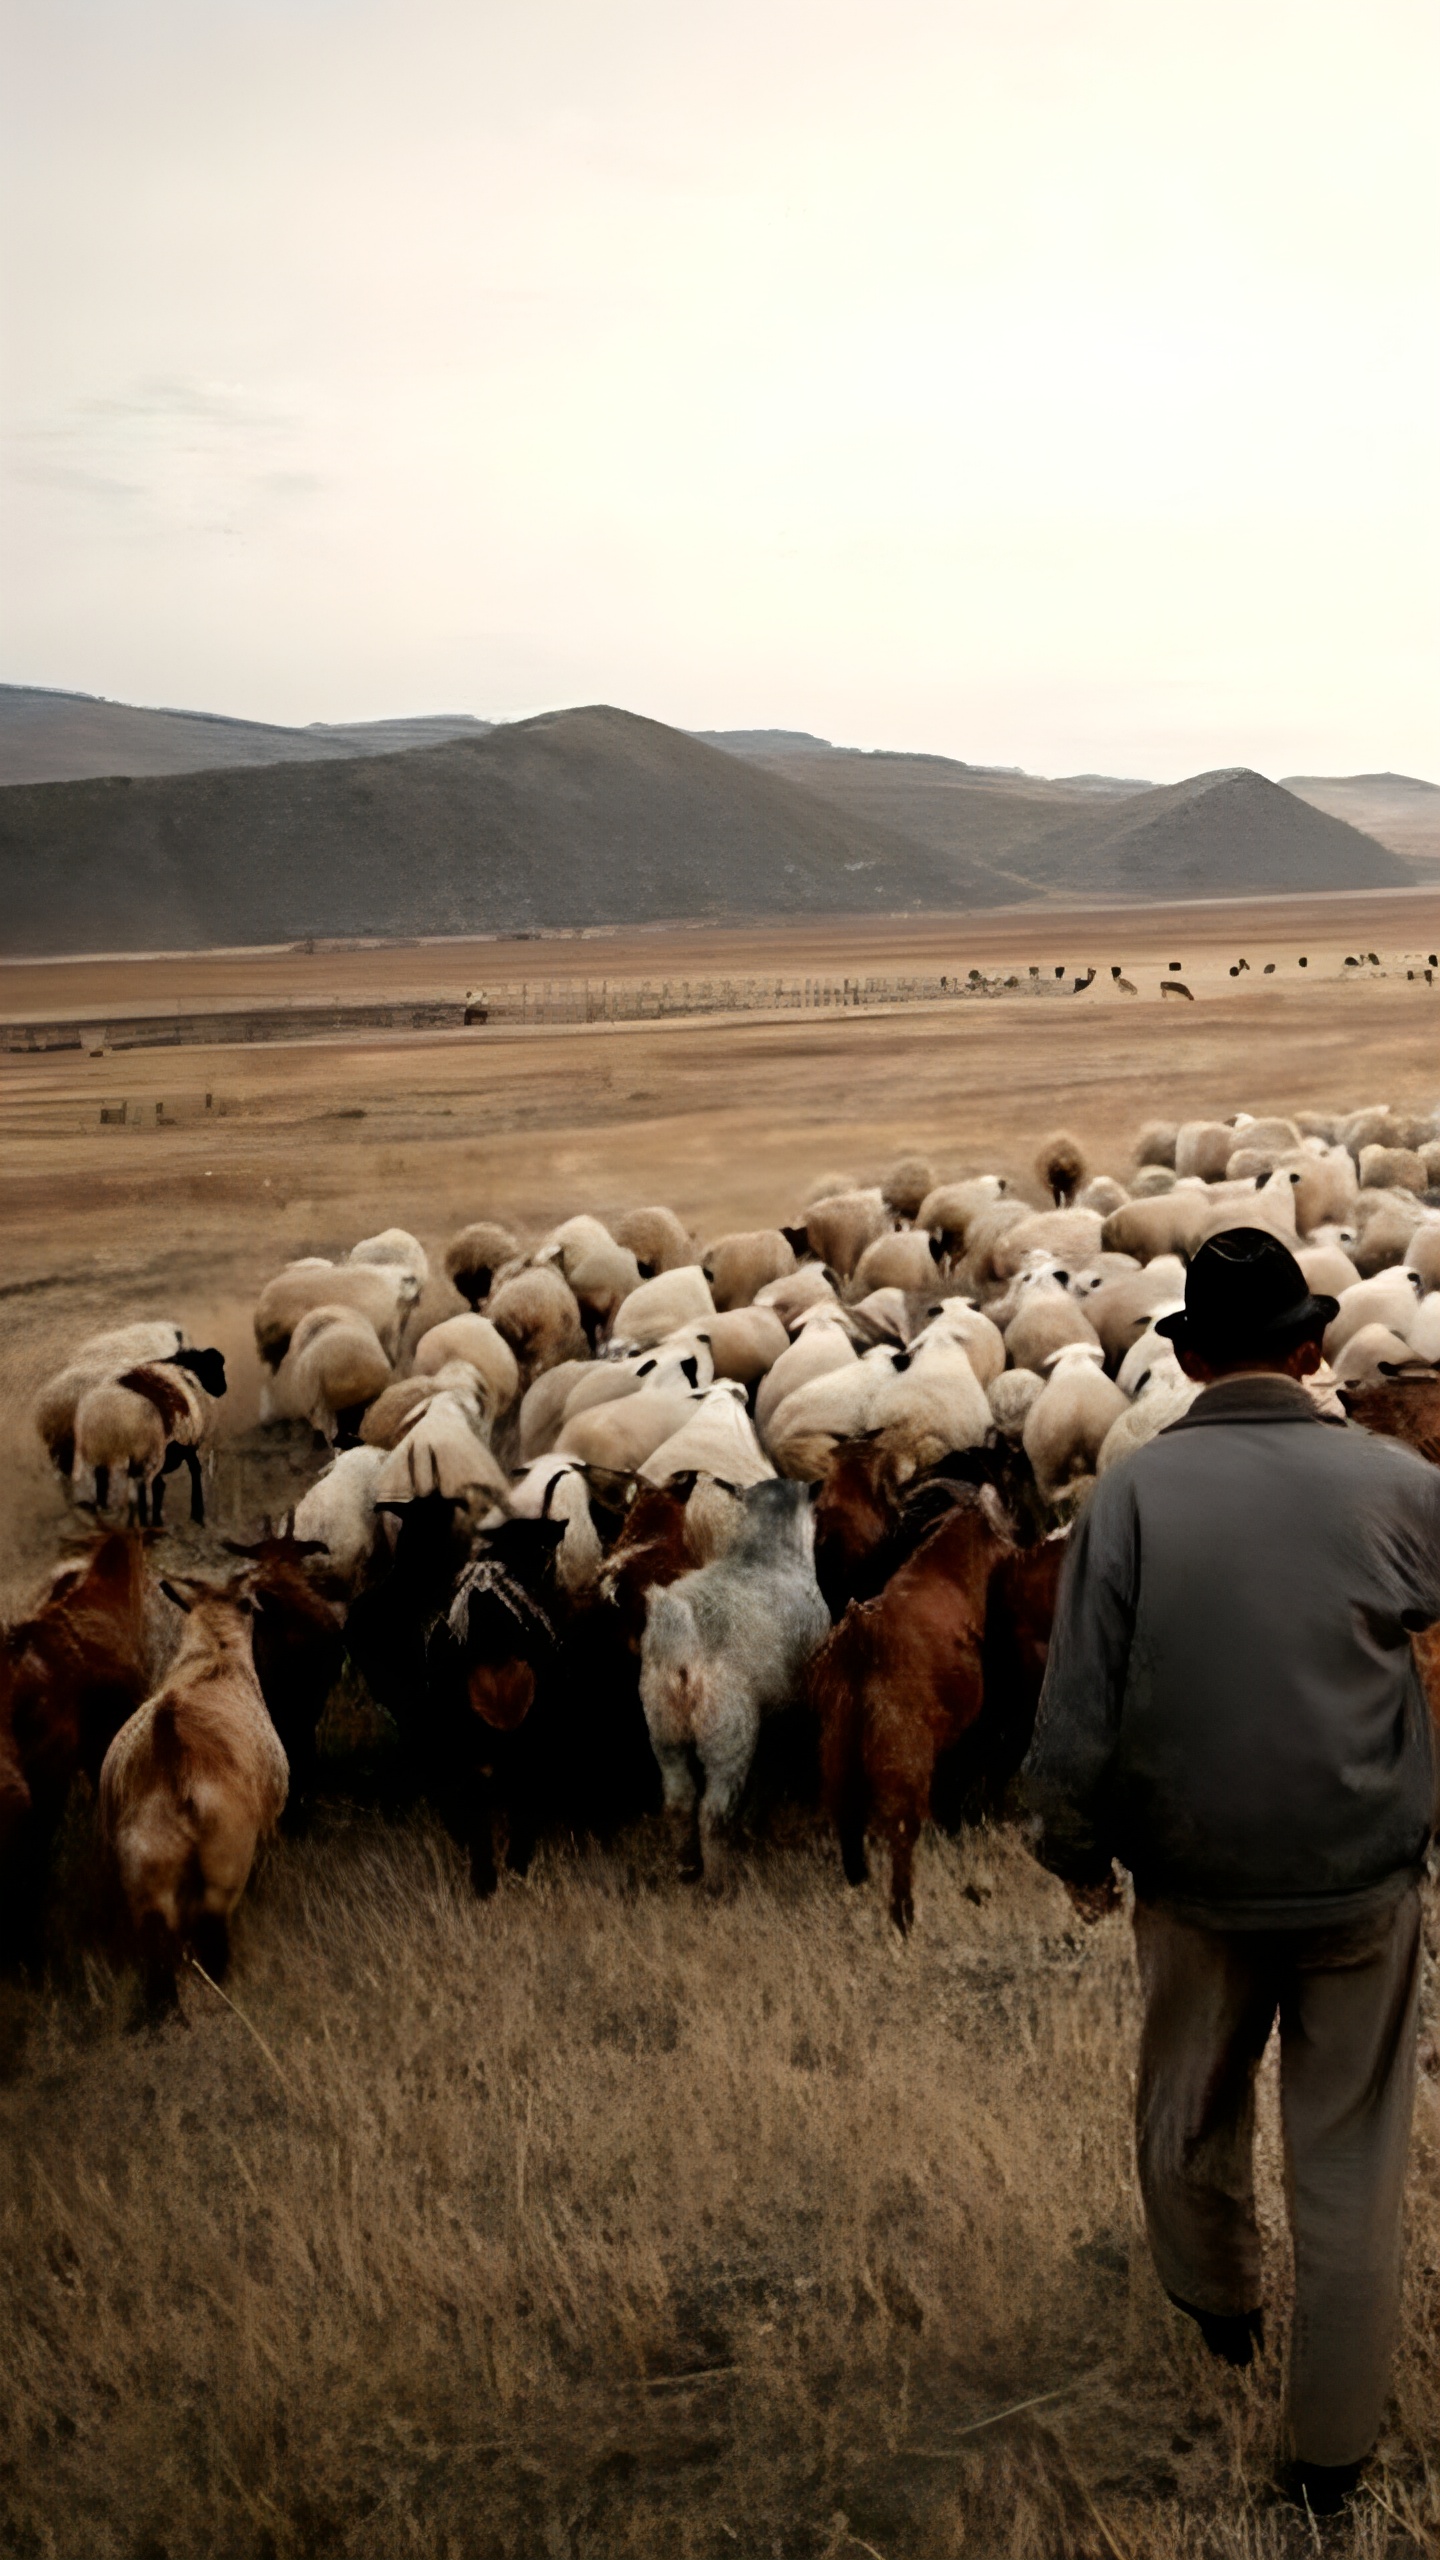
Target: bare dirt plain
column 596, row 2220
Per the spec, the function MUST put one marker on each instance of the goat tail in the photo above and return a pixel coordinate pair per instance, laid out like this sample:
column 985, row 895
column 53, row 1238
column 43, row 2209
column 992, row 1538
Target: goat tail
column 839, row 1677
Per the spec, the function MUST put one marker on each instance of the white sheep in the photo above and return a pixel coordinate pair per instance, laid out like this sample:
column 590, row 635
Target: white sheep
column 481, row 1344
column 398, row 1407
column 949, row 1210
column 1424, row 1332
column 803, row 1432
column 1153, row 1355
column 745, row 1343
column 397, row 1249
column 903, row 1260
column 1422, row 1253
column 1388, row 1298
column 823, row 1341
column 1067, row 1423
column 957, row 1320
column 339, row 1513
column 716, row 1439
column 662, row 1305
column 1165, row 1394
column 1047, row 1318
column 382, row 1293
column 444, row 1452
column 793, row 1297
column 622, row 1435
column 1073, row 1235
column 99, row 1357
column 1010, row 1397
column 335, row 1367
column 1369, row 1353
column 930, row 1406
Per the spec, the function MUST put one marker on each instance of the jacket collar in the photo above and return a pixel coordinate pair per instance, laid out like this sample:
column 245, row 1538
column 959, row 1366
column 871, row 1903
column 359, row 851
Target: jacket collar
column 1265, row 1398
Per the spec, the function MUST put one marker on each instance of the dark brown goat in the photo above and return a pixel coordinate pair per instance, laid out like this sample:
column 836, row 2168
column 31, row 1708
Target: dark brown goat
column 898, row 1683
column 69, row 1677
column 299, row 1648
column 649, row 1551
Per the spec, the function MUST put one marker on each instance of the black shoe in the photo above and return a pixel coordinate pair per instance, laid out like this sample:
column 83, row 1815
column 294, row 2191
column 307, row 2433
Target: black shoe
column 1233, row 2336
column 1322, row 2487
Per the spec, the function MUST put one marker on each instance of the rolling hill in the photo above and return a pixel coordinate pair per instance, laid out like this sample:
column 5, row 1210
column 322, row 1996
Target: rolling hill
column 582, row 817
column 1395, row 808
column 597, row 817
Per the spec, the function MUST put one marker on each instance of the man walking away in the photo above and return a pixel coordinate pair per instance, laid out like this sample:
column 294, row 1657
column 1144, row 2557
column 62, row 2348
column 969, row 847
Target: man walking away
column 1232, row 1709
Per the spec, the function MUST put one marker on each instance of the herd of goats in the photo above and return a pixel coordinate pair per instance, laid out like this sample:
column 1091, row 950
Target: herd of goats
column 582, row 1535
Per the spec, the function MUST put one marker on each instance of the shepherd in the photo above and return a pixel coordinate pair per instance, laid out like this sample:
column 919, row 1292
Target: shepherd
column 1232, row 1710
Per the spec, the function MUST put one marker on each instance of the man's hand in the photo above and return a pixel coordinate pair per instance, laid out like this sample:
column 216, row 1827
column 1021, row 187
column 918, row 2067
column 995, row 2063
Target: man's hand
column 1093, row 1901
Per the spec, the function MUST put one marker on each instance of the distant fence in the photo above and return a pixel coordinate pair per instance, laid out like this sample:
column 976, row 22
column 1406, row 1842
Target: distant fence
column 558, row 1000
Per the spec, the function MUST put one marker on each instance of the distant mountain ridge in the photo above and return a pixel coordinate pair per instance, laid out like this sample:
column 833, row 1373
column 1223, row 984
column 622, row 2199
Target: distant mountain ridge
column 75, row 737
column 598, row 817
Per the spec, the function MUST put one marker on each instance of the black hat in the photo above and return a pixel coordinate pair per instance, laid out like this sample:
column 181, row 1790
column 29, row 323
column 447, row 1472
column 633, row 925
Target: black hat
column 1244, row 1292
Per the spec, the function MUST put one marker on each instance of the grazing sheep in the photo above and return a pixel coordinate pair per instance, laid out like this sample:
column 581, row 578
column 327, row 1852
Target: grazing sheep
column 1067, row 1423
column 478, row 1341
column 905, row 1259
column 1046, row 1320
column 1010, row 1397
column 1204, row 1147
column 622, row 1435
column 1103, row 1194
column 928, row 1407
column 1325, row 1187
column 746, row 1343
column 986, row 1264
column 399, row 1405
column 1172, row 1223
column 338, row 1513
column 444, row 1452
column 395, row 1248
column 601, row 1272
column 1271, row 1207
column 1074, row 1235
column 979, row 1337
column 1061, row 1166
column 1389, row 1298
column 810, row 1286
column 537, row 1312
column 155, row 1416
column 948, row 1210
column 1424, row 1332
column 1392, row 1169
column 737, row 1267
column 657, row 1239
column 886, row 1315
column 334, row 1368
column 1151, row 1353
column 1165, row 1395
column 828, row 1186
column 1386, row 1221
column 382, row 1293
column 191, row 1784
column 837, row 1229
column 1422, row 1253
column 1151, row 1180
column 663, row 1305
column 1156, row 1144
column 714, row 1518
column 1274, row 1137
column 724, row 1647
column 101, row 1357
column 1328, row 1269
column 684, row 1360
column 1370, row 1354
column 823, row 1341
column 802, row 1432
column 542, row 1407
column 715, row 1439
column 474, row 1256
column 907, row 1185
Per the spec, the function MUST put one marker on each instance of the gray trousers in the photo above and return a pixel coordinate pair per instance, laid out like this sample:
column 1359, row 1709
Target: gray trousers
column 1346, row 1998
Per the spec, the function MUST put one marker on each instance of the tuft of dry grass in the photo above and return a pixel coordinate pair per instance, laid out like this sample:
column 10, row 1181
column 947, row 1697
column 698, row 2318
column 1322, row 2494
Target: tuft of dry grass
column 603, row 2219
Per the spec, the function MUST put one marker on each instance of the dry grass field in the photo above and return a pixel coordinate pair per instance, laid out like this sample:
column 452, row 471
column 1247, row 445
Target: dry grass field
column 600, row 2219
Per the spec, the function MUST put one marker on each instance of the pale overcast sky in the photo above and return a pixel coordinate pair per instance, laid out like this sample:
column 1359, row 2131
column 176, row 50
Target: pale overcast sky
column 1048, row 382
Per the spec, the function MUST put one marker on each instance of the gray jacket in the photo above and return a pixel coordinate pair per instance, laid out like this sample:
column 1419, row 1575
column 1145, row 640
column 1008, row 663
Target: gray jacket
column 1232, row 1706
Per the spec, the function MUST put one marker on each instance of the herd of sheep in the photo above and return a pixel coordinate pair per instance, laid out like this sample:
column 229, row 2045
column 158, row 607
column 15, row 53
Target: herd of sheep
column 740, row 1475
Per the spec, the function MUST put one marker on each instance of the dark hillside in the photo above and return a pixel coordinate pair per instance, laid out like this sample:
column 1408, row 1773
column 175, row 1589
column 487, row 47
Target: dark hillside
column 578, row 818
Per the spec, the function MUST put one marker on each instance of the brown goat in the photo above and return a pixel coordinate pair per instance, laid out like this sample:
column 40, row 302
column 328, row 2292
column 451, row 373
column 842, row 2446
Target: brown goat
column 898, row 1683
column 189, row 1787
column 649, row 1551
column 69, row 1676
